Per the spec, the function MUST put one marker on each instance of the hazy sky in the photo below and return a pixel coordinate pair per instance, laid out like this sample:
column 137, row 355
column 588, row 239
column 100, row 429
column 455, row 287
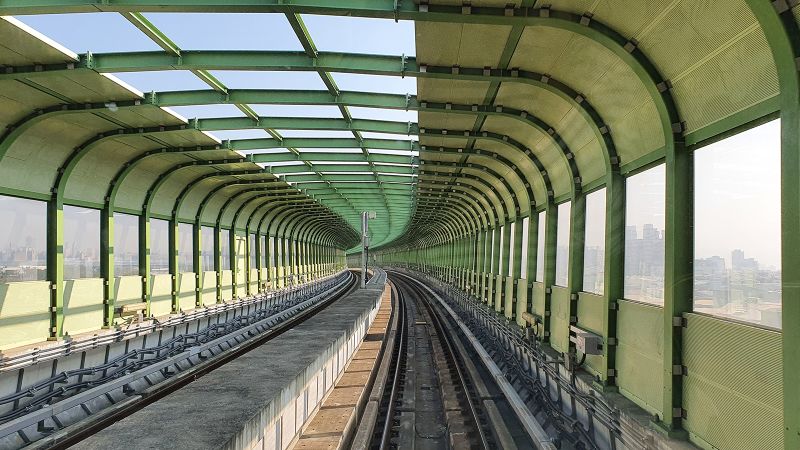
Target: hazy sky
column 738, row 196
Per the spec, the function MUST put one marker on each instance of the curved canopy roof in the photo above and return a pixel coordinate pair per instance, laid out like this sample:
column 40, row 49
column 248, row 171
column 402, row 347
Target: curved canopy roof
column 519, row 104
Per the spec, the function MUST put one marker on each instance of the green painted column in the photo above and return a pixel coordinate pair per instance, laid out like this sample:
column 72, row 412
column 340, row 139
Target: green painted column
column 233, row 256
column 107, row 264
column 259, row 260
column 218, row 260
column 172, row 243
column 577, row 243
column 144, row 259
column 614, row 277
column 550, row 247
column 502, row 274
column 516, row 268
column 197, row 257
column 678, row 275
column 268, row 247
column 481, row 281
column 248, row 243
column 495, row 266
column 533, row 247
column 55, row 264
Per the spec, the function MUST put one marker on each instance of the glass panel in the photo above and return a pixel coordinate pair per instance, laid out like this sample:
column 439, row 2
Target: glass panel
column 185, row 248
column 225, row 244
column 159, row 246
column 126, row 245
column 207, row 256
column 526, row 224
column 81, row 243
column 737, row 245
column 562, row 244
column 23, row 237
column 644, row 236
column 540, row 248
column 595, row 244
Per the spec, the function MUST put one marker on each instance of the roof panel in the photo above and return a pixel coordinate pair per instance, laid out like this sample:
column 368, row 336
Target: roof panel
column 22, row 45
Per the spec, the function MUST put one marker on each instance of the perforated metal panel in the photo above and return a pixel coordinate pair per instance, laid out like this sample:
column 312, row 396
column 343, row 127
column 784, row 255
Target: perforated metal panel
column 559, row 319
column 590, row 312
column 739, row 76
column 733, row 390
column 640, row 331
column 537, row 302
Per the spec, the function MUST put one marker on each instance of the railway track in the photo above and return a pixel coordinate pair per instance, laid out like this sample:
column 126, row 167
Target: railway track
column 436, row 394
column 132, row 391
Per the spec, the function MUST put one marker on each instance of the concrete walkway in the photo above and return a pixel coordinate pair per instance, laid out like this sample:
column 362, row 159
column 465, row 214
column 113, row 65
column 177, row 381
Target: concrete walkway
column 243, row 404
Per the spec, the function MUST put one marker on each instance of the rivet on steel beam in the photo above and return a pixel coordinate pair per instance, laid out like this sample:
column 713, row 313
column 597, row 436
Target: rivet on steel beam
column 631, row 45
column 586, row 19
column 664, row 86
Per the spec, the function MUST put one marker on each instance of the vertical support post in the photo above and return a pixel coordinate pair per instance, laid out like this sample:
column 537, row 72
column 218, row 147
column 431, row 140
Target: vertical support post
column 365, row 246
column 678, row 273
column 172, row 244
column 218, row 260
column 495, row 267
column 516, row 268
column 550, row 247
column 107, row 263
column 502, row 275
column 232, row 257
column 614, row 270
column 259, row 260
column 577, row 240
column 144, row 259
column 197, row 258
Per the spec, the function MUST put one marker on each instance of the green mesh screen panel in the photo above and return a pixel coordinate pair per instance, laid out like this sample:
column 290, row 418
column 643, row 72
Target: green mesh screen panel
column 733, row 390
column 559, row 319
column 640, row 330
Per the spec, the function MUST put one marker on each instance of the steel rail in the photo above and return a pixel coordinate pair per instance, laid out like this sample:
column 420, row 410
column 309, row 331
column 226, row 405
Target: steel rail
column 454, row 358
column 537, row 434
